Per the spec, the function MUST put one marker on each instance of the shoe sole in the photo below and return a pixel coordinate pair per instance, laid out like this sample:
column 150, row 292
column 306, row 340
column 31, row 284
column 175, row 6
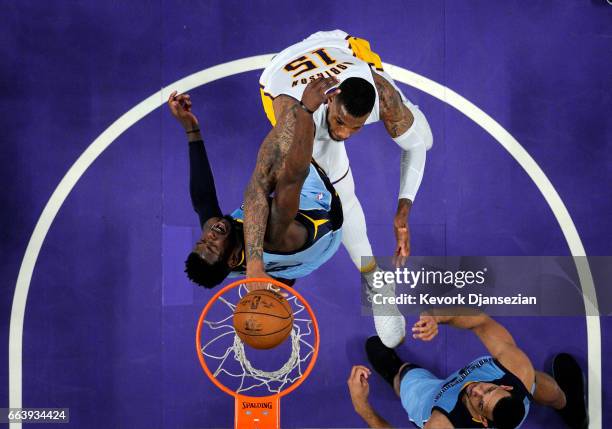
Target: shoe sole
column 565, row 369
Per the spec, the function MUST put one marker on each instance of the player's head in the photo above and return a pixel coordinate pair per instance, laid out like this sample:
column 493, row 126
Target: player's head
column 348, row 111
column 495, row 404
column 218, row 250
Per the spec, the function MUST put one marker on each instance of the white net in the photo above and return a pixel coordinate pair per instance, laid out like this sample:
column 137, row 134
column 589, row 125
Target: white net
column 226, row 356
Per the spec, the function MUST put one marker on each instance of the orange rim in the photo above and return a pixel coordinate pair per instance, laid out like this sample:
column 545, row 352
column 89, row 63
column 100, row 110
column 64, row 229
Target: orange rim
column 237, row 283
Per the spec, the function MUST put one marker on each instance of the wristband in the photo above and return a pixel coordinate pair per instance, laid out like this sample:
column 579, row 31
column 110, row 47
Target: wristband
column 195, row 130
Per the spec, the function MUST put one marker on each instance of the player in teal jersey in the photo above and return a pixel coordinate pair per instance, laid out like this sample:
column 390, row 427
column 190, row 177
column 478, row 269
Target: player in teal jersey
column 303, row 228
column 490, row 391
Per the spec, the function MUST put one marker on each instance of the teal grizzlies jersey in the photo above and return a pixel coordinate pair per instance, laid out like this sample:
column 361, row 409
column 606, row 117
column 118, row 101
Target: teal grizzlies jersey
column 320, row 212
column 422, row 393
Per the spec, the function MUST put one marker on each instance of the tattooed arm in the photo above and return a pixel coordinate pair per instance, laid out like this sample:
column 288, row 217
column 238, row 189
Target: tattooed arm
column 394, row 114
column 270, row 160
column 282, row 166
column 398, row 119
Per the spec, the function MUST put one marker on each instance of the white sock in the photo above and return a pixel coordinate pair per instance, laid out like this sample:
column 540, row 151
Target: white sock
column 354, row 230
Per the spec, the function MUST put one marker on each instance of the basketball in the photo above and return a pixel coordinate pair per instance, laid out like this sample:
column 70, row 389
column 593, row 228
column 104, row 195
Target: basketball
column 263, row 319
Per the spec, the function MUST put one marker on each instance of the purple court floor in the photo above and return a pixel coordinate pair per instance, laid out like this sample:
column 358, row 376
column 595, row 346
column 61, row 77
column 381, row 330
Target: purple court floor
column 108, row 316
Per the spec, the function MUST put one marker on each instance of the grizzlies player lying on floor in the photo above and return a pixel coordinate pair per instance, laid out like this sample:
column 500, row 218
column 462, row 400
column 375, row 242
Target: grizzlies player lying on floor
column 305, row 209
column 491, row 391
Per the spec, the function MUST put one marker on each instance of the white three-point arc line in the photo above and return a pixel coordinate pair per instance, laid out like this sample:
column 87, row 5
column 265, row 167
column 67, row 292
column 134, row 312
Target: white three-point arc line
column 220, row 71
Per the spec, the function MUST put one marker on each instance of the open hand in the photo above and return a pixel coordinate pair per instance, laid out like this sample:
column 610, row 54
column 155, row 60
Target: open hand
column 402, row 239
column 402, row 232
column 426, row 328
column 316, row 92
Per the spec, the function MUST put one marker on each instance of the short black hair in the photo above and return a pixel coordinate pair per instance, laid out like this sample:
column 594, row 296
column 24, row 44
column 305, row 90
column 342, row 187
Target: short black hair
column 357, row 95
column 204, row 274
column 508, row 413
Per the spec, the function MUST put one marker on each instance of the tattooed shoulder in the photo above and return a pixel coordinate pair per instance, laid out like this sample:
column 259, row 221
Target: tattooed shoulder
column 396, row 117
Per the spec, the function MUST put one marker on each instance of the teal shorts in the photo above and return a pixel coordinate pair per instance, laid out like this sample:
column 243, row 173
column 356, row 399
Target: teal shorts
column 417, row 390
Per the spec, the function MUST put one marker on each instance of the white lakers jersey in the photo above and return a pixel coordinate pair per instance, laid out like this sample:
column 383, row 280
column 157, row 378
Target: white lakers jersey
column 325, row 53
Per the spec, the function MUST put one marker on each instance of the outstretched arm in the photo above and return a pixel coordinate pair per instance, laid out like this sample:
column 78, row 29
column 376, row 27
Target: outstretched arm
column 201, row 180
column 263, row 180
column 548, row 392
column 493, row 335
column 501, row 345
column 411, row 132
column 359, row 390
column 282, row 166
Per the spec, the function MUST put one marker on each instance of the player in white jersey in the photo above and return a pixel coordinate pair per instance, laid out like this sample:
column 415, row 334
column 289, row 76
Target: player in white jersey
column 367, row 94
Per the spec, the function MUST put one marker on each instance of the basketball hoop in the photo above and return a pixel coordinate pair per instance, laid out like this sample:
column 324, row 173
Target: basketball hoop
column 216, row 340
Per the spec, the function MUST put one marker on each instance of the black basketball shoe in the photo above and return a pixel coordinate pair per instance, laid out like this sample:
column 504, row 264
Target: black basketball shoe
column 383, row 359
column 570, row 379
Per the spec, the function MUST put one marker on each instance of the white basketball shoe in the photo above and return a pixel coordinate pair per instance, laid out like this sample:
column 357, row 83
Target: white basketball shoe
column 389, row 322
